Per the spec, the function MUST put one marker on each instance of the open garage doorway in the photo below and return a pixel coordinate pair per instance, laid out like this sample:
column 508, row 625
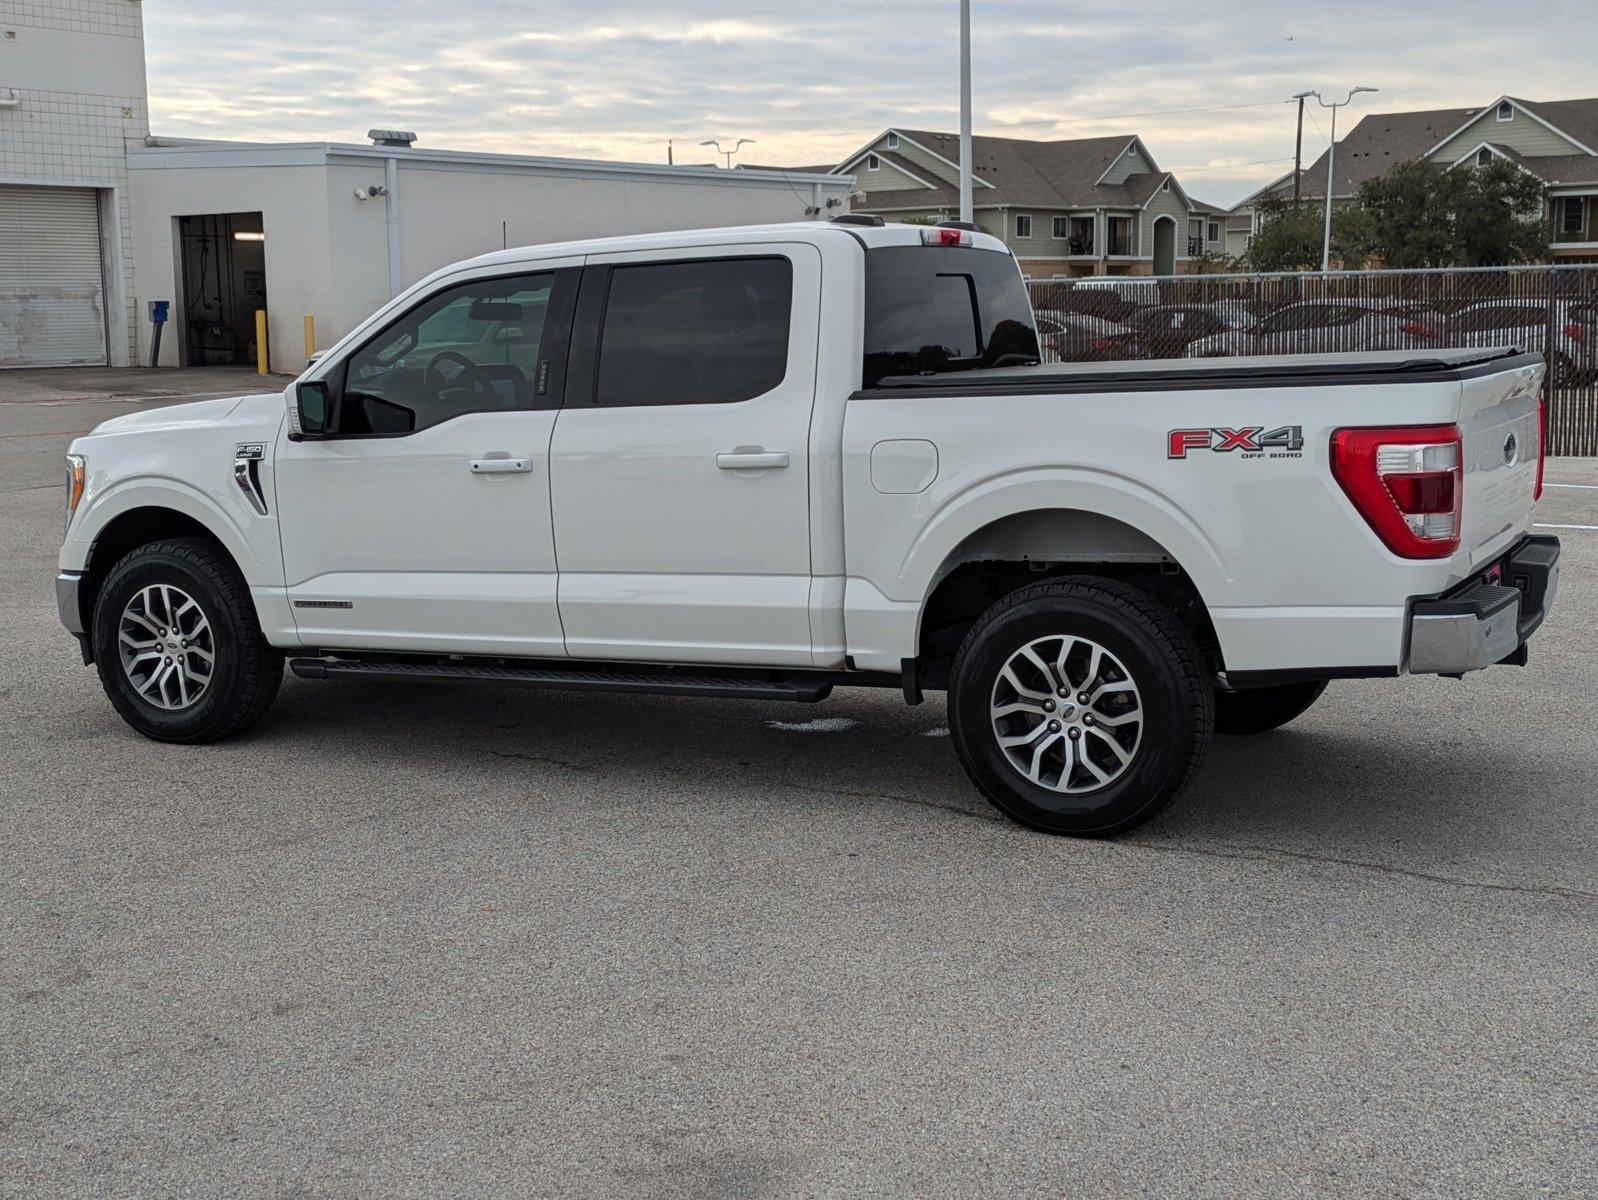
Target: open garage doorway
column 222, row 265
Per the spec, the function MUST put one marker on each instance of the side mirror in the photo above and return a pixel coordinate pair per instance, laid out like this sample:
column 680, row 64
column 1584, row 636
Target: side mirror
column 312, row 415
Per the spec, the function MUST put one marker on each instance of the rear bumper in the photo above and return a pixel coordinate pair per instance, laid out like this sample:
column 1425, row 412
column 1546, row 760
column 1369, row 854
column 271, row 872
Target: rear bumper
column 1480, row 624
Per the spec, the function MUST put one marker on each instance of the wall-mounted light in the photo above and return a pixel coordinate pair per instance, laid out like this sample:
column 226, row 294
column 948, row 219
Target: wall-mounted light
column 245, row 235
column 366, row 193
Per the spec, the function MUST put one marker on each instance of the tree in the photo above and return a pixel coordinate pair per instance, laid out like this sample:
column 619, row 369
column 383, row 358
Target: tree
column 1289, row 236
column 1498, row 217
column 1422, row 214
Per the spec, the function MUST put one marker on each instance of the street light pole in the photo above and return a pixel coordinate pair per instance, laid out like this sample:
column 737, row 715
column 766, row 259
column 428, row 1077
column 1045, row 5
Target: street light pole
column 1331, row 164
column 965, row 110
column 716, row 142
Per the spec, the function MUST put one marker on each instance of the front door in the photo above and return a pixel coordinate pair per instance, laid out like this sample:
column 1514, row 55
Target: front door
column 422, row 522
column 680, row 464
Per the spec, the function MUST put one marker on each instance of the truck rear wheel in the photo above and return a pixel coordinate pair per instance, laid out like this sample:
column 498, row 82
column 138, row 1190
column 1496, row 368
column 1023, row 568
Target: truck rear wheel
column 1260, row 710
column 1080, row 706
column 178, row 646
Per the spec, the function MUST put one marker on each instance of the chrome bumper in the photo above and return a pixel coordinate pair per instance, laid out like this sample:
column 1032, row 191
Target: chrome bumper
column 66, row 601
column 1482, row 623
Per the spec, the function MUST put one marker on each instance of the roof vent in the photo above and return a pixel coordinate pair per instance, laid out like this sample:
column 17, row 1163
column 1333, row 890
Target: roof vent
column 391, row 137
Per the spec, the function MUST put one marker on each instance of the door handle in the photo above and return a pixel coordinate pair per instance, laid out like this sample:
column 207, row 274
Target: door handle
column 752, row 460
column 499, row 466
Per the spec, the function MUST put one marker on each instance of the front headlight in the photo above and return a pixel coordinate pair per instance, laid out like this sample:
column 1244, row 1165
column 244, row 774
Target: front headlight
column 77, row 473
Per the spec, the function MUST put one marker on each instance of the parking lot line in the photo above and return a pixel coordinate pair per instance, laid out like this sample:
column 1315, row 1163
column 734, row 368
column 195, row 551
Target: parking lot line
column 1539, row 525
column 1579, row 487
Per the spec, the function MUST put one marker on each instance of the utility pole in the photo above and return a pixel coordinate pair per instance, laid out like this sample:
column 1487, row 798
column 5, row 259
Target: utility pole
column 965, row 110
column 1331, row 164
column 670, row 161
column 1298, row 146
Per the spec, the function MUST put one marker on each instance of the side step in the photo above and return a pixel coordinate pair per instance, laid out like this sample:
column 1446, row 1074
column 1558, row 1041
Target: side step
column 667, row 681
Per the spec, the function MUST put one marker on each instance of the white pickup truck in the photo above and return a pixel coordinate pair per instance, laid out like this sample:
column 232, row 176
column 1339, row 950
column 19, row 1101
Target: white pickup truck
column 764, row 462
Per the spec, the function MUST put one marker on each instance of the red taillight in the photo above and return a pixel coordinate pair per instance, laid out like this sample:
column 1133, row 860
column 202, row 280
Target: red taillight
column 1408, row 483
column 1112, row 343
column 1542, row 444
column 1418, row 329
column 1575, row 332
column 938, row 236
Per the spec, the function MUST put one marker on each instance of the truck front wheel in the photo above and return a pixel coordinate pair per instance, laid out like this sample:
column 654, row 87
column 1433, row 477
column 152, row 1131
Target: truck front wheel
column 178, row 646
column 1080, row 706
column 1260, row 710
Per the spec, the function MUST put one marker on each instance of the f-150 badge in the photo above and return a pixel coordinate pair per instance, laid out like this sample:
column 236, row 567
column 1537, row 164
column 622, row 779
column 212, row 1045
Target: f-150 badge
column 1252, row 441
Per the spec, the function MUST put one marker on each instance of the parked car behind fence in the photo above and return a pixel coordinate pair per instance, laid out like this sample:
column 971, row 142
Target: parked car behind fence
column 1552, row 310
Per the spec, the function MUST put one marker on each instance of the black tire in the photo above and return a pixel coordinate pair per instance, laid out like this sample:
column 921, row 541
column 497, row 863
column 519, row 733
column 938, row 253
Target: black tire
column 1163, row 662
column 1260, row 710
column 246, row 672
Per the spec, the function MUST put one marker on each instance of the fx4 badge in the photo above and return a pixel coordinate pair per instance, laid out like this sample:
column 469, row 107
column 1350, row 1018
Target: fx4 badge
column 1252, row 441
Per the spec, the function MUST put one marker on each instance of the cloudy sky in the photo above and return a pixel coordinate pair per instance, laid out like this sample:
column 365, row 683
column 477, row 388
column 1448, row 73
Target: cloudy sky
column 813, row 79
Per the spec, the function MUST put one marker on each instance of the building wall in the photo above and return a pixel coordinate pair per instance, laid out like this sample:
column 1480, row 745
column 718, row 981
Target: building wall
column 77, row 67
column 1135, row 163
column 886, row 178
column 1524, row 133
column 1163, row 204
column 932, row 169
column 327, row 252
column 293, row 203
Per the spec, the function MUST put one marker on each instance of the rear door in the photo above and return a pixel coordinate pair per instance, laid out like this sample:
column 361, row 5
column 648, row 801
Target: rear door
column 680, row 463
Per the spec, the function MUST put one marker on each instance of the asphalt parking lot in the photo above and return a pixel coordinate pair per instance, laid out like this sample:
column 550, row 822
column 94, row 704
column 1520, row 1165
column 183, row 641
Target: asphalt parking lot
column 421, row 941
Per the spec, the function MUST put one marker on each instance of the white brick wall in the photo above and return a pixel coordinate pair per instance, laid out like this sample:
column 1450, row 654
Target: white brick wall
column 77, row 68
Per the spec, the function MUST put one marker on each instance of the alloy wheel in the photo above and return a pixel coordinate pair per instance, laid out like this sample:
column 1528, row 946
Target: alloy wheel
column 1067, row 714
column 166, row 646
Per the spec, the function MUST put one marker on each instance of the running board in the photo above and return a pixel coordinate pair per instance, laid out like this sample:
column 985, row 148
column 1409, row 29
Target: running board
column 668, row 682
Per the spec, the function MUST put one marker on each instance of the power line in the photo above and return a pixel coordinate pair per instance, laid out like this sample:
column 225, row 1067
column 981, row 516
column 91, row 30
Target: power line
column 1161, row 112
column 1258, row 162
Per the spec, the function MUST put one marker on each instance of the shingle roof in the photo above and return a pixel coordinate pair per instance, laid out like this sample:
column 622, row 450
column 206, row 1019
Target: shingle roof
column 1025, row 174
column 1375, row 144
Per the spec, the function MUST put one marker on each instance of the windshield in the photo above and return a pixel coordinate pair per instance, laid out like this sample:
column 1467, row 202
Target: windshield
column 931, row 309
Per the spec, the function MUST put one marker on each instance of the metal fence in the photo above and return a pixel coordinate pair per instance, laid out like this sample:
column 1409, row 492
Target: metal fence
column 1552, row 309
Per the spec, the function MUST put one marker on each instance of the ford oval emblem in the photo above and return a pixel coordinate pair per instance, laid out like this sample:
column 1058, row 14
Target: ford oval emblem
column 1511, row 450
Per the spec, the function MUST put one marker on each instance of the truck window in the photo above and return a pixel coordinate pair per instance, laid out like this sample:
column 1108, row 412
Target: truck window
column 470, row 348
column 714, row 331
column 931, row 309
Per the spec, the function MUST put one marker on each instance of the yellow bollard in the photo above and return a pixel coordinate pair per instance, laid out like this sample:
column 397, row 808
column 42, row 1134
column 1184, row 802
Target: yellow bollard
column 260, row 341
column 310, row 337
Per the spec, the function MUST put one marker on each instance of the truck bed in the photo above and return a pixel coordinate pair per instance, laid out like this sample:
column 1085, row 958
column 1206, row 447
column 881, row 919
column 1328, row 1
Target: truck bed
column 1281, row 370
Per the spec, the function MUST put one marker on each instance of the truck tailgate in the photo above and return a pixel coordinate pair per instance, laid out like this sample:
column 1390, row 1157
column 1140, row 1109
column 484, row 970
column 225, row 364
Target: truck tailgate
column 1501, row 424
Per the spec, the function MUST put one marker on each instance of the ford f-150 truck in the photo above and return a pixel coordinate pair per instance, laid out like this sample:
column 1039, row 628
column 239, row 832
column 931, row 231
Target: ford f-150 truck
column 765, row 462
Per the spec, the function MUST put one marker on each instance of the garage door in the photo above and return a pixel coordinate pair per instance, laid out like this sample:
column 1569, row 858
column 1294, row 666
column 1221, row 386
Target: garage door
column 52, row 297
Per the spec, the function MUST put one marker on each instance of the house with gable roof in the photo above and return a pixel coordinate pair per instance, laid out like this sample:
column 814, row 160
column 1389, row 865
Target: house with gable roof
column 1554, row 140
column 1082, row 206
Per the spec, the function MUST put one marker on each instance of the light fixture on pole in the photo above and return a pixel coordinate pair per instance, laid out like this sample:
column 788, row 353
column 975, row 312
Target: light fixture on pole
column 965, row 111
column 1331, row 163
column 716, row 142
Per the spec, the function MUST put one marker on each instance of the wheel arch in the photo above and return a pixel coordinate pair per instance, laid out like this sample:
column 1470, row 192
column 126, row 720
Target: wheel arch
column 1025, row 547
column 134, row 527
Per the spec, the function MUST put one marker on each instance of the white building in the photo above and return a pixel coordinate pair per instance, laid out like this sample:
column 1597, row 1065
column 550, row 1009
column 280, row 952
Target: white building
column 72, row 96
column 98, row 218
column 332, row 231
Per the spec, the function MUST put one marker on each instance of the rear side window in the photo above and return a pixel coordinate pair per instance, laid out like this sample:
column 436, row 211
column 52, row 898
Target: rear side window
column 713, row 331
column 931, row 309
